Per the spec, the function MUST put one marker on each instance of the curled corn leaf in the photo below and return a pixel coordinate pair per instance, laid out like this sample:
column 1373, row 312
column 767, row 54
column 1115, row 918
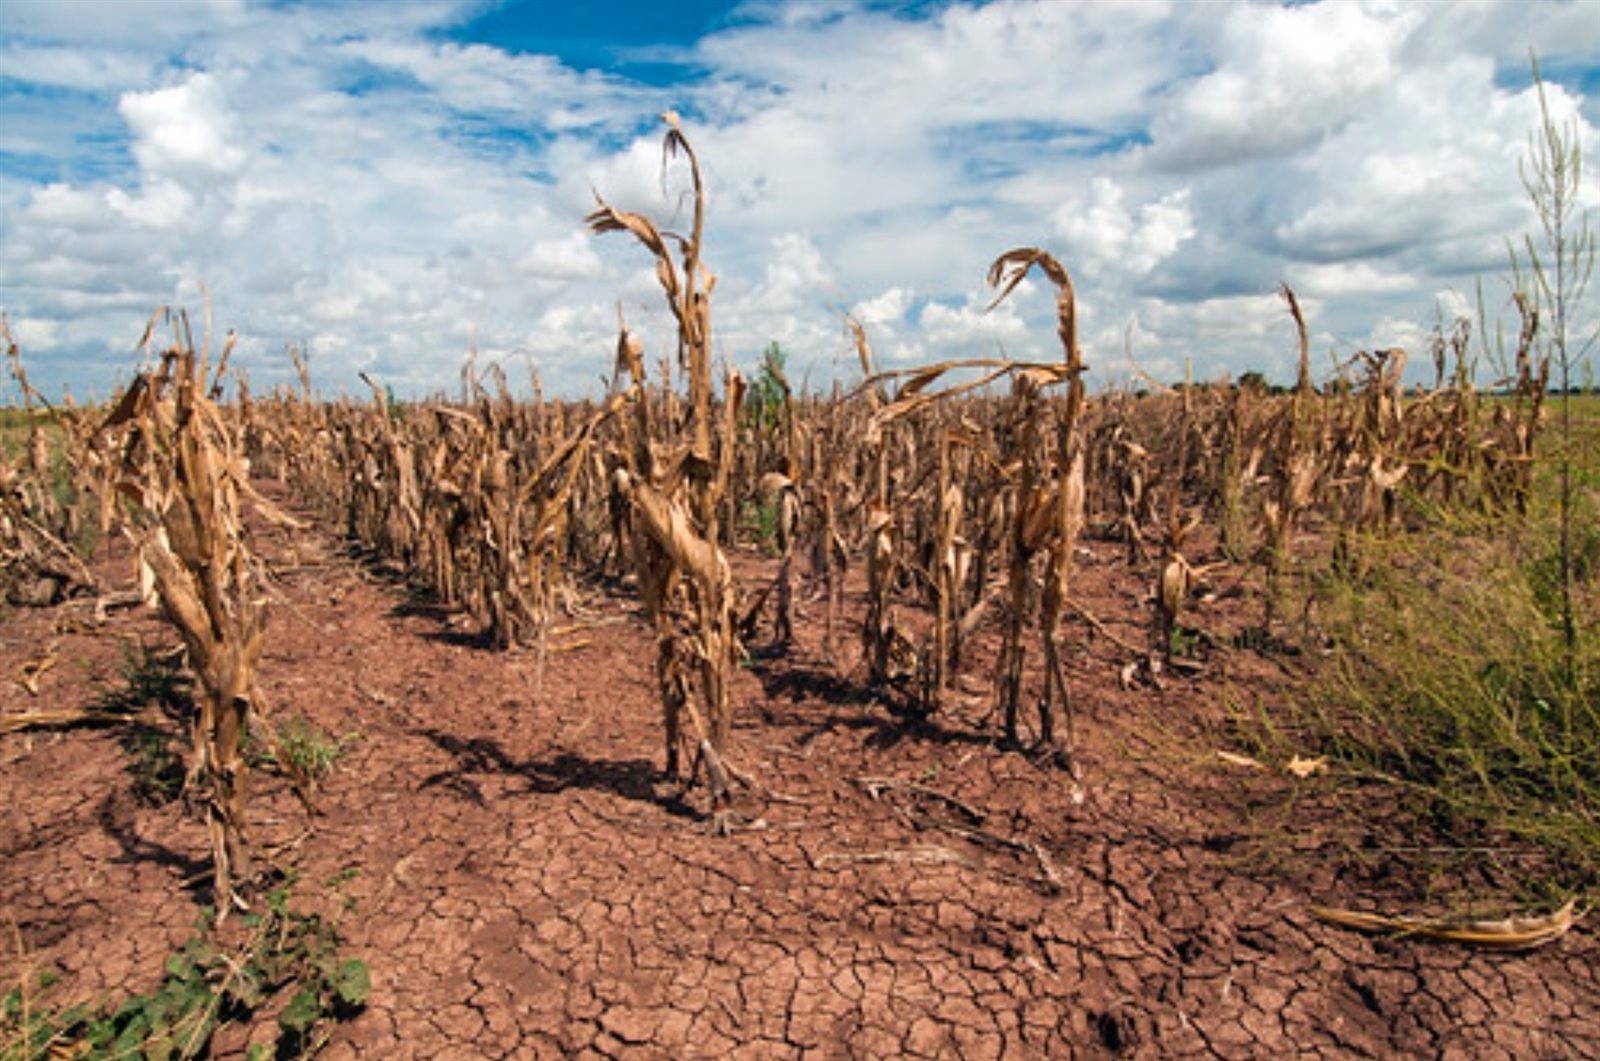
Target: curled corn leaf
column 1510, row 933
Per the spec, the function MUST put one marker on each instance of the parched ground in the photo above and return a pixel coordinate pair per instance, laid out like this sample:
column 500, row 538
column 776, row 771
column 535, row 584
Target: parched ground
column 501, row 851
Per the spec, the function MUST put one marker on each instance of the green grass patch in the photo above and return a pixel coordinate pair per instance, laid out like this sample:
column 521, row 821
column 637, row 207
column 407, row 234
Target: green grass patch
column 1447, row 681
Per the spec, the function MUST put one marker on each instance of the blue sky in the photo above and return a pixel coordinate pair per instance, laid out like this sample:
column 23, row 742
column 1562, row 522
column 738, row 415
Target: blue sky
column 392, row 184
column 648, row 42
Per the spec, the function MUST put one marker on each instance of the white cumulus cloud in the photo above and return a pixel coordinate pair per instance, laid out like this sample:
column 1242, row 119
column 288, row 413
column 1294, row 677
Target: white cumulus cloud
column 367, row 180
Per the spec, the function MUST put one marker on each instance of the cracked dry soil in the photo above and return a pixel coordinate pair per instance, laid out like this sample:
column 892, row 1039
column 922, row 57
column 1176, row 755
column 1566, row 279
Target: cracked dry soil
column 499, row 848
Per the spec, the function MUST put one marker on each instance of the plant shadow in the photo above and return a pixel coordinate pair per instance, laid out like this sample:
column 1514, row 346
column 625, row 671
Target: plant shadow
column 632, row 779
column 851, row 705
column 195, row 872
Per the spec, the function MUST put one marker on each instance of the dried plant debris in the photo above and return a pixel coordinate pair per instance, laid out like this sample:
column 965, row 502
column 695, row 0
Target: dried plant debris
column 1509, row 933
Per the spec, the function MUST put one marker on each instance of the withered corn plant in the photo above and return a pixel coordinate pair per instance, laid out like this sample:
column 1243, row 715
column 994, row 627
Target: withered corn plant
column 1297, row 436
column 184, row 472
column 43, row 503
column 672, row 498
column 1518, row 424
column 880, row 635
column 1030, row 529
column 774, row 463
column 914, row 523
column 1063, row 505
column 1177, row 578
column 1040, row 484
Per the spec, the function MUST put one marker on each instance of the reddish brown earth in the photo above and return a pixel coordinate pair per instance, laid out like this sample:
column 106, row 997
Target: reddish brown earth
column 505, row 858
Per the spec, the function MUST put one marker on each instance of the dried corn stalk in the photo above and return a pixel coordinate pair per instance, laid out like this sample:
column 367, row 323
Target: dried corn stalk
column 672, row 505
column 183, row 471
column 1296, row 472
column 1054, row 515
column 942, row 549
column 1177, row 578
column 38, row 566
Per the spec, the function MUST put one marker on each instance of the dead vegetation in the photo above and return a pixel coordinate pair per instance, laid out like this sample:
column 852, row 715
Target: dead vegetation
column 183, row 473
column 963, row 488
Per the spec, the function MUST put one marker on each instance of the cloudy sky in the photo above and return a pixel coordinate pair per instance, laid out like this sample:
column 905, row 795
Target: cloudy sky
column 390, row 184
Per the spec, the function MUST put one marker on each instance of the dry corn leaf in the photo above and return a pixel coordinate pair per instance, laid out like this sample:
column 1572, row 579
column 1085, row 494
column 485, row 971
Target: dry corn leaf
column 15, row 723
column 29, row 673
column 1177, row 579
column 1299, row 767
column 127, row 407
column 912, row 395
column 775, row 482
column 268, row 509
column 1510, row 933
column 1012, row 267
column 1235, row 759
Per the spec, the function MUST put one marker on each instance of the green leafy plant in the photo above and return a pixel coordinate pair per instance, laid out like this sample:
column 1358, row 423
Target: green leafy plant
column 298, row 750
column 205, row 987
column 765, row 399
column 1460, row 672
column 1445, row 680
column 151, row 678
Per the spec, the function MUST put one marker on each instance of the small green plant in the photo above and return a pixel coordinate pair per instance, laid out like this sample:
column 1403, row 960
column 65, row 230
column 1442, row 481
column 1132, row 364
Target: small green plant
column 1553, row 269
column 758, row 518
column 298, row 750
column 206, row 986
column 151, row 678
column 310, row 752
column 392, row 405
column 155, row 763
column 155, row 758
column 1545, row 571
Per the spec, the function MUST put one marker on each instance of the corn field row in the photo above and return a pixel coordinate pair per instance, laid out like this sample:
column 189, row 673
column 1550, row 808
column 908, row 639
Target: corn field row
column 961, row 490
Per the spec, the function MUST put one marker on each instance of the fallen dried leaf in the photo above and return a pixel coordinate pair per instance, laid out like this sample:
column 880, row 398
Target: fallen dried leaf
column 1510, row 933
column 1306, row 767
column 29, row 673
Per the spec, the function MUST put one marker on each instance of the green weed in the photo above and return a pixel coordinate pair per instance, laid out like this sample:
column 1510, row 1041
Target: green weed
column 151, row 678
column 206, row 986
column 1447, row 679
column 155, row 763
column 758, row 520
column 155, row 754
column 307, row 752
